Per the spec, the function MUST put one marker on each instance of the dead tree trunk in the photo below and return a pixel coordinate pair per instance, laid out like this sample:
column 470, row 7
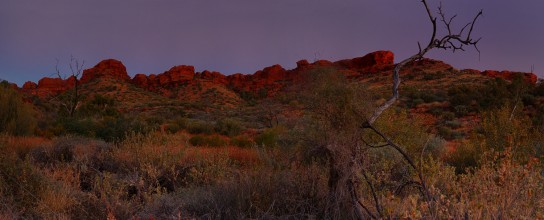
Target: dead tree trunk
column 72, row 102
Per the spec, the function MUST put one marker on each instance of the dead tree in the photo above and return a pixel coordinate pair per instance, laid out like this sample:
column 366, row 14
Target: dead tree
column 452, row 40
column 71, row 103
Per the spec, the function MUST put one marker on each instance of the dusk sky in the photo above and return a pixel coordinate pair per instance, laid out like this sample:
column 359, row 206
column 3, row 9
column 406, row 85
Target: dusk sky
column 151, row 36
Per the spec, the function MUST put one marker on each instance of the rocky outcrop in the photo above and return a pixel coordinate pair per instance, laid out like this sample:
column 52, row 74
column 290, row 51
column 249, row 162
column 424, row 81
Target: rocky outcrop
column 267, row 81
column 106, row 69
column 30, row 86
column 49, row 86
column 508, row 75
column 175, row 77
column 214, row 77
column 371, row 62
column 141, row 80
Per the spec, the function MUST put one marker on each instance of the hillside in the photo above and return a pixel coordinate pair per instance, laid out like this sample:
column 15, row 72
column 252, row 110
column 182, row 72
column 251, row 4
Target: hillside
column 272, row 145
column 428, row 90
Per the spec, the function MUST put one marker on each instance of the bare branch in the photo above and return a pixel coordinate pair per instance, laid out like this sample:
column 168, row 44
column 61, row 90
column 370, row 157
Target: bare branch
column 451, row 41
column 373, row 191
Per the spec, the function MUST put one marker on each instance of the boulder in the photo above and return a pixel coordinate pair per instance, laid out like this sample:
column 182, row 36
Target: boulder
column 106, row 69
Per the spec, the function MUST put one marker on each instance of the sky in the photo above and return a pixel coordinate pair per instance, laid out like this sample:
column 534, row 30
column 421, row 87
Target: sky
column 243, row 36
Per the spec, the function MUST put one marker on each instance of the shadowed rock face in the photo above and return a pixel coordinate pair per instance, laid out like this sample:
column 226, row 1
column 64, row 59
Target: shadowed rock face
column 371, row 62
column 269, row 81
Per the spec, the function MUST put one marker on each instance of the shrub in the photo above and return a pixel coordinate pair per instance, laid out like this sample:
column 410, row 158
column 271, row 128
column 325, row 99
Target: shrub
column 229, row 127
column 200, row 127
column 448, row 115
column 453, row 124
column 461, row 110
column 269, row 137
column 436, row 146
column 207, row 141
column 242, row 141
column 21, row 185
column 417, row 102
column 297, row 193
column 108, row 128
column 16, row 116
column 177, row 124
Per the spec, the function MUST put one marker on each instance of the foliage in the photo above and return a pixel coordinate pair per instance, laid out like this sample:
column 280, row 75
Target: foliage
column 200, row 127
column 207, row 141
column 16, row 116
column 242, row 141
column 270, row 137
column 229, row 127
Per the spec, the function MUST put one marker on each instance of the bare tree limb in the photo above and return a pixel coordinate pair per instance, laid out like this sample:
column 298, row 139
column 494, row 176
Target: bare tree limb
column 451, row 41
column 76, row 69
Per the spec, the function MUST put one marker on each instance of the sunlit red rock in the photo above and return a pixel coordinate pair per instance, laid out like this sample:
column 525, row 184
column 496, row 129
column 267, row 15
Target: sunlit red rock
column 269, row 75
column 268, row 81
column 176, row 75
column 106, row 69
column 49, row 86
column 508, row 75
column 302, row 64
column 322, row 63
column 215, row 77
column 30, row 86
column 141, row 80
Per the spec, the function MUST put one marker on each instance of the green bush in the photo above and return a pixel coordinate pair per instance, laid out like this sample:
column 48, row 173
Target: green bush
column 465, row 156
column 207, row 141
column 200, row 127
column 229, row 127
column 177, row 124
column 242, row 141
column 270, row 136
column 109, row 129
column 16, row 116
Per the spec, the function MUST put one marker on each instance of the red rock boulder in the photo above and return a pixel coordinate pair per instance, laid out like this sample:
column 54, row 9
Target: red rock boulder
column 28, row 86
column 270, row 74
column 107, row 68
column 215, row 77
column 141, row 80
column 175, row 76
column 47, row 86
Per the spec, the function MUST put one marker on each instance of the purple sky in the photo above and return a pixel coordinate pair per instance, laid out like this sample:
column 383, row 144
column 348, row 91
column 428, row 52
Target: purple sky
column 150, row 36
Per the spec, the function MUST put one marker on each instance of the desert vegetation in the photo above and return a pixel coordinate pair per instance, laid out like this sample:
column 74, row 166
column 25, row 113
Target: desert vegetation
column 331, row 142
column 103, row 163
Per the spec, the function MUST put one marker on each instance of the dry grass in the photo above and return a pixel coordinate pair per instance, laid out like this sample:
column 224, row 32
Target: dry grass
column 243, row 156
column 21, row 146
column 162, row 176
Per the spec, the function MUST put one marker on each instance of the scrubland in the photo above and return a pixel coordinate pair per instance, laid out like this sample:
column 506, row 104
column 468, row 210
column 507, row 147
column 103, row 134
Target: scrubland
column 109, row 164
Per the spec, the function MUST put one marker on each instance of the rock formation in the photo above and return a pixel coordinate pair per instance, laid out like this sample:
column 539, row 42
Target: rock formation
column 107, row 68
column 267, row 81
column 508, row 75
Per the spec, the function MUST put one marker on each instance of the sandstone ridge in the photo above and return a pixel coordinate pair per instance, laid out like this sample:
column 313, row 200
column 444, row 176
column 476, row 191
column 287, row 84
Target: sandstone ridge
column 267, row 82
